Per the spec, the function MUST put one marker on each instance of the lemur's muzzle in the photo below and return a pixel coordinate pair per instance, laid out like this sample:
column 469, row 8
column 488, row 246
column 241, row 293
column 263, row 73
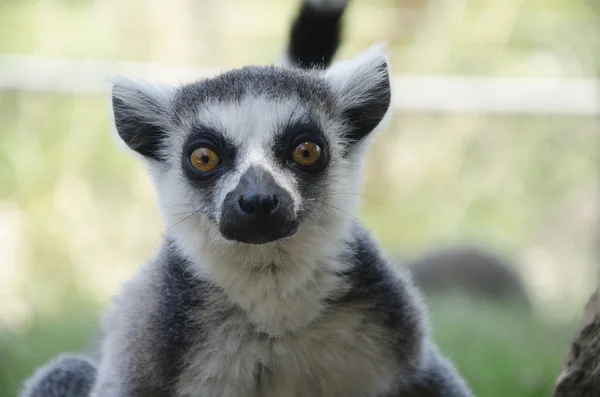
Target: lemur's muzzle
column 258, row 210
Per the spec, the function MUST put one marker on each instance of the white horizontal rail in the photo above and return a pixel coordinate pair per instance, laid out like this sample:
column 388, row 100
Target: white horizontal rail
column 412, row 92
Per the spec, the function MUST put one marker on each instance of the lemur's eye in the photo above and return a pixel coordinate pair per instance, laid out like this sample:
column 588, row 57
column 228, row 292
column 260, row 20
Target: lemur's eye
column 203, row 159
column 307, row 154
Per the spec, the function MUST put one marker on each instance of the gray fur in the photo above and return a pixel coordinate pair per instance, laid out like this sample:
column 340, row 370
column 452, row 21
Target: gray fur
column 371, row 338
column 318, row 311
column 64, row 376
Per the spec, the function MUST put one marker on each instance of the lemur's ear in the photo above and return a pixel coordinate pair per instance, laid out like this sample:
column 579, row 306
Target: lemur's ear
column 362, row 86
column 141, row 113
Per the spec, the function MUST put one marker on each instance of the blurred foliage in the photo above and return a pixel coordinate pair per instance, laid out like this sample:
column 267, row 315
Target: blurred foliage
column 499, row 350
column 20, row 352
column 77, row 216
column 490, row 37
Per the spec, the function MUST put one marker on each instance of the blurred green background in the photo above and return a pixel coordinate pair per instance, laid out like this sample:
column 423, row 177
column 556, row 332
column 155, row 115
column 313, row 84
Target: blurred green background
column 77, row 215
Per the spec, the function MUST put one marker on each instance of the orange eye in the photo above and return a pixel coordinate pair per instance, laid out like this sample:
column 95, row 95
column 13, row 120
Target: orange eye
column 307, row 154
column 204, row 160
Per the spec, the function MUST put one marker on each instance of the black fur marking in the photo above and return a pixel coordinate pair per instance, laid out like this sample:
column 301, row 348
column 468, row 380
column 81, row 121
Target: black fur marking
column 269, row 81
column 202, row 136
column 139, row 134
column 373, row 284
column 261, row 372
column 366, row 117
column 294, row 134
column 315, row 36
column 181, row 295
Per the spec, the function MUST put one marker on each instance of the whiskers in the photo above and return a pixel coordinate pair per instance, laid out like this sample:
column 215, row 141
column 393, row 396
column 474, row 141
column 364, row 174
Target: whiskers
column 336, row 193
column 186, row 215
column 337, row 209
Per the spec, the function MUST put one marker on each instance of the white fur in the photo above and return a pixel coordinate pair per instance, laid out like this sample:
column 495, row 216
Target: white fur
column 276, row 292
column 329, row 359
column 134, row 91
column 288, row 298
column 251, row 125
column 351, row 79
column 342, row 355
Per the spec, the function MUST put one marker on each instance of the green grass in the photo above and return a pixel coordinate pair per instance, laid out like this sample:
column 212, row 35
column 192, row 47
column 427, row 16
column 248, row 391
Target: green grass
column 501, row 352
column 68, row 330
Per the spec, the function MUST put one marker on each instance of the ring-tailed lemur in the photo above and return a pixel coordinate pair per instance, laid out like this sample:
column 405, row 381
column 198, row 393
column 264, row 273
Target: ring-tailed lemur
column 266, row 284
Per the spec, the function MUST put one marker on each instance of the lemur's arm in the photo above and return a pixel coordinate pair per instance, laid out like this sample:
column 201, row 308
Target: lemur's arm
column 118, row 382
column 132, row 363
column 65, row 376
column 109, row 390
column 437, row 378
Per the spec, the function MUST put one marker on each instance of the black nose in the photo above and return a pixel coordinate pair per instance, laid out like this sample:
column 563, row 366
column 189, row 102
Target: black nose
column 258, row 210
column 258, row 204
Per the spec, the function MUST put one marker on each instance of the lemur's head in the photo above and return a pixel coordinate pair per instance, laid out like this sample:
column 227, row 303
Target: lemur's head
column 257, row 155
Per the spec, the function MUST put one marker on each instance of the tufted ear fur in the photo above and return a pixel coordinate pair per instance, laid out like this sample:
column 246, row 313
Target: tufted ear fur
column 141, row 113
column 362, row 86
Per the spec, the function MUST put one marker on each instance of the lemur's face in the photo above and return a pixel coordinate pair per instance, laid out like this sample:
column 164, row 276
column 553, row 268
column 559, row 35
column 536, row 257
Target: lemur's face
column 256, row 153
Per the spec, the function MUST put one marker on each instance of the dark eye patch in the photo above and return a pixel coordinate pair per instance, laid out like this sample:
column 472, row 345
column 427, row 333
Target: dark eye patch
column 203, row 136
column 294, row 134
column 311, row 180
column 203, row 184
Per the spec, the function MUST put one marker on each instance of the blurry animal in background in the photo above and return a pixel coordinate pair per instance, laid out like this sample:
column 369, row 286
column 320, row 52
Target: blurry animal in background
column 266, row 285
column 469, row 270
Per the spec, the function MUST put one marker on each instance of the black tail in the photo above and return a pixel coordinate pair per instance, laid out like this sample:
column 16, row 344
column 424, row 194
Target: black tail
column 315, row 33
column 66, row 376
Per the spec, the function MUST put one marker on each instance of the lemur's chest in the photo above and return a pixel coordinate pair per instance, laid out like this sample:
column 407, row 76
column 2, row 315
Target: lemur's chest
column 340, row 354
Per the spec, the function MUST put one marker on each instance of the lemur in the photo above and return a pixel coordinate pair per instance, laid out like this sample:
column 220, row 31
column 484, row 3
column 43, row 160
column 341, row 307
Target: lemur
column 266, row 284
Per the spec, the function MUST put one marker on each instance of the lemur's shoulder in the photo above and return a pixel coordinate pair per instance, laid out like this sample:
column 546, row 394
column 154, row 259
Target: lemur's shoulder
column 152, row 321
column 384, row 291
